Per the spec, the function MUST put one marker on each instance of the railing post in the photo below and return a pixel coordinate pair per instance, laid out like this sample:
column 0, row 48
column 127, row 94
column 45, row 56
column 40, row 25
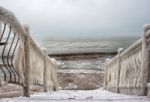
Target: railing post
column 118, row 69
column 1, row 81
column 45, row 81
column 27, row 63
column 54, row 74
column 0, row 28
column 105, row 73
column 145, row 66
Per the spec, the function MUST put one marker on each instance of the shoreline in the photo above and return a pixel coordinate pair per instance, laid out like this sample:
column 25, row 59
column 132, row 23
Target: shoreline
column 78, row 54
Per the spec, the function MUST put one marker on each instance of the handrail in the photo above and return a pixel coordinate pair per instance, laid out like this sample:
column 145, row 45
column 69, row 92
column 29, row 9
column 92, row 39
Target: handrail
column 9, row 18
column 25, row 56
column 128, row 71
column 132, row 47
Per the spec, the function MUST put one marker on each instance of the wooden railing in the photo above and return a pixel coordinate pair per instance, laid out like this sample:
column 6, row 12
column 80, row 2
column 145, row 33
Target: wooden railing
column 128, row 71
column 27, row 64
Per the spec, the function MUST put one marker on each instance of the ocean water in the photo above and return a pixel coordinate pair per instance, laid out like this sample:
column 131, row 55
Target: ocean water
column 101, row 45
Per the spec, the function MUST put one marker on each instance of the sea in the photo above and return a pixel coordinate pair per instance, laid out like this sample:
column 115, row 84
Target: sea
column 79, row 46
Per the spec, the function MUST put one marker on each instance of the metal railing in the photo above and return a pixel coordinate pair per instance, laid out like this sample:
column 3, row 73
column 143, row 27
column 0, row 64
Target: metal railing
column 8, row 44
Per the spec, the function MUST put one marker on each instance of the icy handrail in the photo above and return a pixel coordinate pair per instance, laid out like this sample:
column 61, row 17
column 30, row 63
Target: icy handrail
column 129, row 68
column 28, row 49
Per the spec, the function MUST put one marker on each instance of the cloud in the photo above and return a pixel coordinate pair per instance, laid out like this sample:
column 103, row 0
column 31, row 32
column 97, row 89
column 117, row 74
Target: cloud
column 81, row 18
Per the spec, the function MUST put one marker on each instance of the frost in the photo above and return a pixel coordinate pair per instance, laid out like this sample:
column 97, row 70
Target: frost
column 98, row 95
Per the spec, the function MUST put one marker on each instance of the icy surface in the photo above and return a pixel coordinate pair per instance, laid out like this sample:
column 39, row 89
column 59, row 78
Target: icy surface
column 98, row 95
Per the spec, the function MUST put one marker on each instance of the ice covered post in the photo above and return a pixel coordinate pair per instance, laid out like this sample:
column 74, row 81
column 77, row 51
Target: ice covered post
column 54, row 79
column 45, row 81
column 0, row 36
column 105, row 73
column 27, row 62
column 145, row 66
column 118, row 69
column 0, row 28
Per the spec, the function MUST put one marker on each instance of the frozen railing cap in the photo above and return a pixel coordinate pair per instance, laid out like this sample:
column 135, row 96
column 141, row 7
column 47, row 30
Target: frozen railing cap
column 43, row 49
column 107, row 59
column 146, row 27
column 120, row 50
column 53, row 60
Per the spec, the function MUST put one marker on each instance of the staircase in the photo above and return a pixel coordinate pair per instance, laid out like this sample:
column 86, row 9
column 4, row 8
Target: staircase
column 126, row 73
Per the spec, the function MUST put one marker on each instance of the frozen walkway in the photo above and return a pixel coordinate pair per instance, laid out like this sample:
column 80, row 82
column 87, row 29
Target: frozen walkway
column 79, row 96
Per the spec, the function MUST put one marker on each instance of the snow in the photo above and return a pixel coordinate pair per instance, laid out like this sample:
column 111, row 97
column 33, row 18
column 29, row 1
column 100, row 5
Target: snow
column 98, row 95
column 71, row 85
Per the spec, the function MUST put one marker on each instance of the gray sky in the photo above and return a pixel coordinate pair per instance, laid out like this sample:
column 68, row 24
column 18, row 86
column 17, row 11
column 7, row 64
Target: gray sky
column 81, row 18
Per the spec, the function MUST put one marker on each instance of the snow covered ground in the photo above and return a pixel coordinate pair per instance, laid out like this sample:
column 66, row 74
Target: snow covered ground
column 98, row 95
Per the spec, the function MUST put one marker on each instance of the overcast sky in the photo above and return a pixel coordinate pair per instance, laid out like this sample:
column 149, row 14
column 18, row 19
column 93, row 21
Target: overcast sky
column 81, row 18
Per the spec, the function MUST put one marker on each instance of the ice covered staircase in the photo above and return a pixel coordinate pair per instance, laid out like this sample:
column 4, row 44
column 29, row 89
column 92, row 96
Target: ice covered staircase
column 24, row 63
